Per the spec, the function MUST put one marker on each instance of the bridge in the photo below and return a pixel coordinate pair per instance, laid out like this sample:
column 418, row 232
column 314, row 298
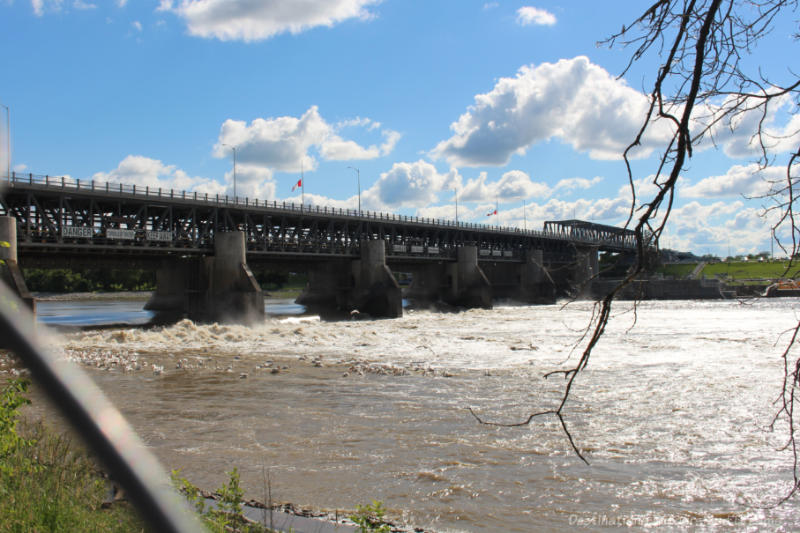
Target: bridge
column 201, row 247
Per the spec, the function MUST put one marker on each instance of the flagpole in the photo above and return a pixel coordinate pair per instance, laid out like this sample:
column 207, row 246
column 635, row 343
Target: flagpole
column 302, row 185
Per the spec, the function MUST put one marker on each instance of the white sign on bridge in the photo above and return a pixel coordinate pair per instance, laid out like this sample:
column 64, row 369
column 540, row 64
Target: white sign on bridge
column 121, row 234
column 75, row 231
column 153, row 235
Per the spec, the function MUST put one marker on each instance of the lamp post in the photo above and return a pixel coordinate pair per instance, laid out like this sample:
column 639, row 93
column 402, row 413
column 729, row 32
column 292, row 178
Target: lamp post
column 524, row 217
column 234, row 169
column 456, row 191
column 358, row 177
column 8, row 142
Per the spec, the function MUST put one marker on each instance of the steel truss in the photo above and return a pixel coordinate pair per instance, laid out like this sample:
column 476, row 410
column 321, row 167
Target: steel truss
column 58, row 213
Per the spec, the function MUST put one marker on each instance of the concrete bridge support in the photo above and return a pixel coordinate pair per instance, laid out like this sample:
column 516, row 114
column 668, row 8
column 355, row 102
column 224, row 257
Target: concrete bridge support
column 365, row 284
column 10, row 273
column 212, row 289
column 527, row 282
column 584, row 270
column 536, row 284
column 429, row 283
column 467, row 285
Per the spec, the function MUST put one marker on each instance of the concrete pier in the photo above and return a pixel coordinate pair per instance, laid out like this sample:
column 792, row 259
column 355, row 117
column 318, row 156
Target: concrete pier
column 213, row 289
column 376, row 291
column 584, row 270
column 536, row 284
column 467, row 284
column 365, row 285
column 10, row 272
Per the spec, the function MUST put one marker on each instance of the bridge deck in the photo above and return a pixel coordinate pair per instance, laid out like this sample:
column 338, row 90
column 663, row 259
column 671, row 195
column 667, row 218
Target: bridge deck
column 57, row 215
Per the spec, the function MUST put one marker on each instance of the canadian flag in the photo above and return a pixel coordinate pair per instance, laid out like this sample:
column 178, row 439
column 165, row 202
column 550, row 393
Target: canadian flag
column 298, row 184
column 492, row 213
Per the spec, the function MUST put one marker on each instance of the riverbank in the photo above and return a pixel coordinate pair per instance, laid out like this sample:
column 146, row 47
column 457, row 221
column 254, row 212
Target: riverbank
column 51, row 482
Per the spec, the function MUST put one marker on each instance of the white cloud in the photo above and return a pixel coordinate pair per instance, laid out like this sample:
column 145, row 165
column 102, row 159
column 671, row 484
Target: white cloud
column 337, row 149
column 136, row 25
column 122, row 3
column 325, row 201
column 528, row 15
column 285, row 143
column 146, row 172
column 513, row 185
column 81, row 5
column 250, row 20
column 40, row 6
column 409, row 185
column 573, row 100
column 740, row 180
column 251, row 182
column 737, row 132
column 572, row 184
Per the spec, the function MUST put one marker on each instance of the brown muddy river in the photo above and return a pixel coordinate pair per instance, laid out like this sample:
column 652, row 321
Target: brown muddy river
column 671, row 413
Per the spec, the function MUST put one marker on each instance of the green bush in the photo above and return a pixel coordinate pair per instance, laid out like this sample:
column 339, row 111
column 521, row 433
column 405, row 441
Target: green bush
column 46, row 482
column 226, row 516
column 370, row 518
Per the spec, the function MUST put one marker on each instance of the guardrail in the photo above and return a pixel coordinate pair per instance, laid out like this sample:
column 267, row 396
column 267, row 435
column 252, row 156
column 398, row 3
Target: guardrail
column 64, row 182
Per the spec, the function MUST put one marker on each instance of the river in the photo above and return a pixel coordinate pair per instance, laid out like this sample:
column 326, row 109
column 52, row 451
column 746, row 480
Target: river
column 672, row 411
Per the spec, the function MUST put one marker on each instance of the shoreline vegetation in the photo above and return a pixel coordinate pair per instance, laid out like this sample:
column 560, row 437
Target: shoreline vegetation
column 50, row 482
column 56, row 284
column 57, row 281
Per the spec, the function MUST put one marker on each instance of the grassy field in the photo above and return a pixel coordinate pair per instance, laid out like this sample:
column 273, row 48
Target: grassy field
column 47, row 483
column 752, row 270
column 677, row 270
column 736, row 270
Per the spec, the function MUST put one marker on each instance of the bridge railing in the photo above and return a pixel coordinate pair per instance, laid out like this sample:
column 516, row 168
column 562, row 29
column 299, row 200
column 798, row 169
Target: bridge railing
column 69, row 183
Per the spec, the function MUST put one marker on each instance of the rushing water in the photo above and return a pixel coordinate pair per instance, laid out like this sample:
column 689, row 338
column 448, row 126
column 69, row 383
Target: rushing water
column 672, row 411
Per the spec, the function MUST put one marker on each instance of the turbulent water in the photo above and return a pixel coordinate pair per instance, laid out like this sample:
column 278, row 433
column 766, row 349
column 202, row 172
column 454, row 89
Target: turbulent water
column 672, row 412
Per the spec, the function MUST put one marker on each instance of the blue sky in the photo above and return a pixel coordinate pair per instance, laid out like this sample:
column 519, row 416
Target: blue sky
column 509, row 103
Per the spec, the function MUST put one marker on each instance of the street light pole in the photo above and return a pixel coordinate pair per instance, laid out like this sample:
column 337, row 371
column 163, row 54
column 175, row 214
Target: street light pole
column 456, row 191
column 524, row 217
column 8, row 142
column 234, row 169
column 358, row 177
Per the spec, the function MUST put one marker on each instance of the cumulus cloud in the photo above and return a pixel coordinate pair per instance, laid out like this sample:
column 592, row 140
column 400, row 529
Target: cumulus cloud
column 409, row 185
column 780, row 128
column 40, row 6
column 249, row 20
column 251, row 182
column 146, row 172
column 528, row 15
column 572, row 100
column 740, row 180
column 285, row 143
column 81, row 5
column 513, row 185
column 517, row 185
column 573, row 184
